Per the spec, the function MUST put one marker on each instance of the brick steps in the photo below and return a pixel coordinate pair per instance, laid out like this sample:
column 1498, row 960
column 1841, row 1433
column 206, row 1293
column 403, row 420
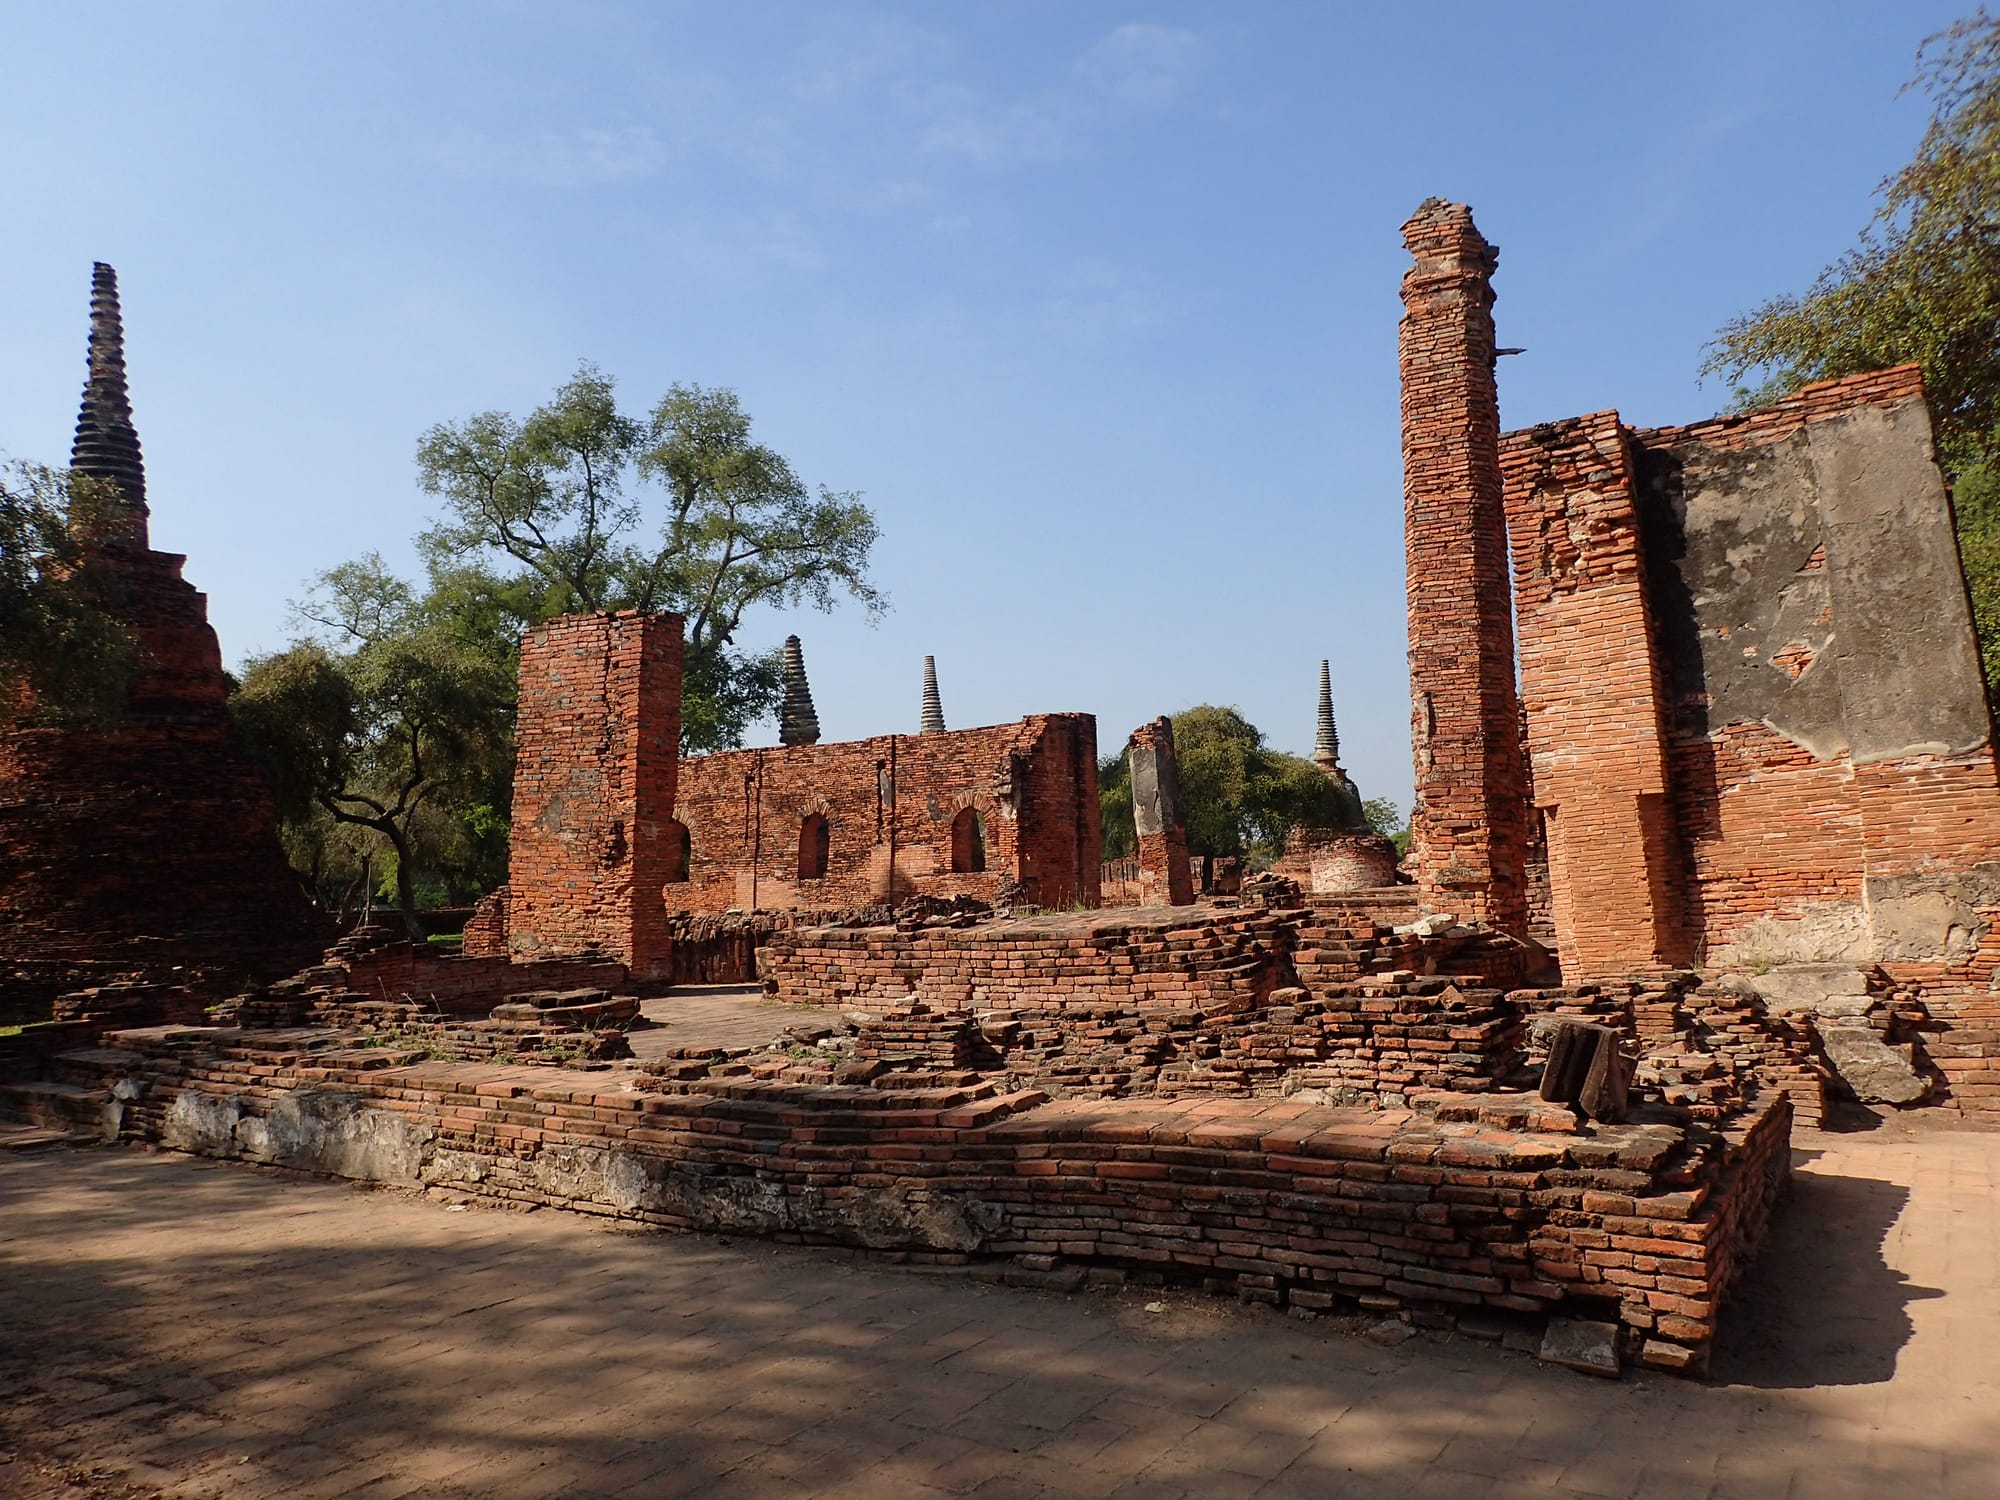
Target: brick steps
column 53, row 1105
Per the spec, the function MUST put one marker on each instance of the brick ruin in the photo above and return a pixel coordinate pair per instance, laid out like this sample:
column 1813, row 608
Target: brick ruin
column 596, row 760
column 1735, row 744
column 1006, row 814
column 1469, row 826
column 1757, row 735
column 624, row 849
column 146, row 850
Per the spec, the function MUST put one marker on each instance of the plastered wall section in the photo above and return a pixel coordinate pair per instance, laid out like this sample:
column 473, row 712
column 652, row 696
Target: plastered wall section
column 1830, row 786
column 596, row 755
column 890, row 806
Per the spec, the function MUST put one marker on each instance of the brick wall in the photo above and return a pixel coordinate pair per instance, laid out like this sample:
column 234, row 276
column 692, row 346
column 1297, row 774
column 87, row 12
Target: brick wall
column 1756, row 721
column 597, row 742
column 150, row 848
column 1593, row 699
column 1008, row 811
column 1469, row 828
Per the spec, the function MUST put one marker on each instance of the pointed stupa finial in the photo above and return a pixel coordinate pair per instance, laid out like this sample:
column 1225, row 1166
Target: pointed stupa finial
column 1326, row 745
column 933, row 707
column 107, row 445
column 798, row 724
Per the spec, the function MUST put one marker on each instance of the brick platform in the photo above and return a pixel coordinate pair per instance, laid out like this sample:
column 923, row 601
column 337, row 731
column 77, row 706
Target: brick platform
column 1461, row 1203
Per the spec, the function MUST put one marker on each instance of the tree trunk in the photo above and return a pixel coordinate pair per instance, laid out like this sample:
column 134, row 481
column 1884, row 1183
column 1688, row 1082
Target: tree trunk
column 406, row 895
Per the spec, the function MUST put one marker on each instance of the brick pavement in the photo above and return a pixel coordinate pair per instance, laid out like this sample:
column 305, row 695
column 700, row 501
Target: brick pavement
column 212, row 1329
column 716, row 1015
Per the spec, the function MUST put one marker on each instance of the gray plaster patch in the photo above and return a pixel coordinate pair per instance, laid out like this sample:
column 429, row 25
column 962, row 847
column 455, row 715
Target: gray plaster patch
column 1931, row 915
column 1828, row 932
column 901, row 1216
column 1156, row 790
column 1910, row 680
column 1837, row 989
column 337, row 1133
column 203, row 1124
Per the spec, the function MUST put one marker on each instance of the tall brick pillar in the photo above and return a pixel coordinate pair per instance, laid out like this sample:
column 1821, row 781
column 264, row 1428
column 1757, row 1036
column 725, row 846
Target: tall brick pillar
column 1596, row 717
column 1160, row 817
column 1469, row 828
column 597, row 745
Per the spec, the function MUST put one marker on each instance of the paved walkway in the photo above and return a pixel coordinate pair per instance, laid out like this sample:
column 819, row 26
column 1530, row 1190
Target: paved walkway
column 718, row 1015
column 214, row 1329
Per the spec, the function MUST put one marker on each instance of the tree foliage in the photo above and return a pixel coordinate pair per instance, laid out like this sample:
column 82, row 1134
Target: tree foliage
column 394, row 722
column 1242, row 797
column 580, row 507
column 1923, row 285
column 64, row 657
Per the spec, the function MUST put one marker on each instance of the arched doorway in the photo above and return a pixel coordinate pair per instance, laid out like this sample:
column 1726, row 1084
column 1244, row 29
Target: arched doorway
column 815, row 843
column 968, row 843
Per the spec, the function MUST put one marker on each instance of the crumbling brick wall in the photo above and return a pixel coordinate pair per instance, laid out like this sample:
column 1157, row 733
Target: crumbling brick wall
column 597, row 743
column 1469, row 826
column 1009, row 811
column 1758, row 725
column 1159, row 816
column 149, row 848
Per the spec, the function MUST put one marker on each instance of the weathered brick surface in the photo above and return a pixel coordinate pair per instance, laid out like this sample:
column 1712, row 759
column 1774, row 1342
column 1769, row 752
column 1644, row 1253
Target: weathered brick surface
column 1678, row 832
column 597, row 742
column 1590, row 685
column 1463, row 1204
column 150, row 848
column 1007, row 812
column 1469, row 827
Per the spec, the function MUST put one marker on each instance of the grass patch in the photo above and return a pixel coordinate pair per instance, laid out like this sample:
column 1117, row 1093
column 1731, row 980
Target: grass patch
column 451, row 941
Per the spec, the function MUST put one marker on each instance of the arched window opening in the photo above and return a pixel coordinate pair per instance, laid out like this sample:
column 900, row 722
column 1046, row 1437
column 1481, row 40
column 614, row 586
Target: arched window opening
column 680, row 851
column 815, row 841
column 968, row 843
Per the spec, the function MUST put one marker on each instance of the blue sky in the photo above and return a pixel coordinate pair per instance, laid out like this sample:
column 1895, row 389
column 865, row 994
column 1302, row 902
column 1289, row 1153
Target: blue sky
column 1095, row 303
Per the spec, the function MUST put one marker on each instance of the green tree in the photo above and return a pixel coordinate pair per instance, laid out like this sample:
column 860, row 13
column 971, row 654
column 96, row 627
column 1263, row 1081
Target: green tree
column 64, row 658
column 1382, row 815
column 1922, row 286
column 1242, row 797
column 394, row 722
column 584, row 508
column 1924, row 283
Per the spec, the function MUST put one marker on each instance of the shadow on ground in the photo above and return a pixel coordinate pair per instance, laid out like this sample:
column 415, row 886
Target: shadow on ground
column 239, row 1333
column 1821, row 1306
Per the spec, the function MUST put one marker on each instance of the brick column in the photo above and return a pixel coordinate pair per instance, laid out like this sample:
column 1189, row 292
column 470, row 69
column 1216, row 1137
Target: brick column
column 1160, row 817
column 1596, row 720
column 1469, row 829
column 596, row 757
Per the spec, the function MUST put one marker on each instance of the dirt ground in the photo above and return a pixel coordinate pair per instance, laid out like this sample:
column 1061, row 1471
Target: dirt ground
column 173, row 1326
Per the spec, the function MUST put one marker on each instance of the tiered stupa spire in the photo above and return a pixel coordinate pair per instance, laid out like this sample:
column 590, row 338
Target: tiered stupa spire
column 107, row 445
column 798, row 724
column 1326, row 744
column 933, row 722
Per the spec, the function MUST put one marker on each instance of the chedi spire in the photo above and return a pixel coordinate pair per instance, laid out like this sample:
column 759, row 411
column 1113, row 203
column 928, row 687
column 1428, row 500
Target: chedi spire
column 1326, row 744
column 107, row 445
column 933, row 722
column 798, row 724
